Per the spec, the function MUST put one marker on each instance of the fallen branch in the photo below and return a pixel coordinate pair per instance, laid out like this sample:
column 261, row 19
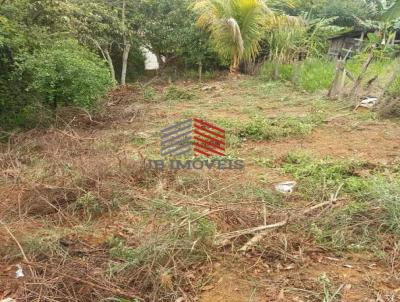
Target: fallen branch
column 262, row 231
column 253, row 241
column 75, row 137
column 222, row 238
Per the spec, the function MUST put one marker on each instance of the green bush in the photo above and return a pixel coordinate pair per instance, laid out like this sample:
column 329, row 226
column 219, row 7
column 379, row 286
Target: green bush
column 394, row 89
column 67, row 74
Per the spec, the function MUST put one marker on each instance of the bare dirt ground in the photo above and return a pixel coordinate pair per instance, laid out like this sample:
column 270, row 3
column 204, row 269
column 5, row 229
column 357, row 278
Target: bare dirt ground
column 86, row 221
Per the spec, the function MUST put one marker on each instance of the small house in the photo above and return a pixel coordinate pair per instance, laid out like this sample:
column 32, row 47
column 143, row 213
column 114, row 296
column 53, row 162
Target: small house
column 348, row 44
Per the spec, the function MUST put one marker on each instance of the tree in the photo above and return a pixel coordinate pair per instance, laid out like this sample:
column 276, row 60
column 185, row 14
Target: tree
column 165, row 27
column 97, row 25
column 105, row 24
column 236, row 27
column 41, row 62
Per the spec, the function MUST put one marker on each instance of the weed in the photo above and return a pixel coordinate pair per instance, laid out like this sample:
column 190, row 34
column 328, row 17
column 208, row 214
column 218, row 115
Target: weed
column 149, row 94
column 387, row 195
column 255, row 193
column 349, row 227
column 90, row 205
column 379, row 67
column 346, row 228
column 46, row 243
column 138, row 140
column 174, row 93
column 271, row 71
column 329, row 294
column 268, row 129
column 232, row 140
column 203, row 227
column 315, row 74
column 321, row 176
column 312, row 75
column 265, row 162
column 158, row 257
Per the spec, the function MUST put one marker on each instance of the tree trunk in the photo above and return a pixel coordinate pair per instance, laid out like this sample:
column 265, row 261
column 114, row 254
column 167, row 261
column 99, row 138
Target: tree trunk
column 337, row 84
column 200, row 71
column 125, row 56
column 110, row 65
column 276, row 74
column 127, row 46
column 159, row 61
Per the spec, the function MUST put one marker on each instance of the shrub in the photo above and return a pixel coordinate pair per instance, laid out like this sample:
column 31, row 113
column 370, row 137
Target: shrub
column 394, row 89
column 67, row 74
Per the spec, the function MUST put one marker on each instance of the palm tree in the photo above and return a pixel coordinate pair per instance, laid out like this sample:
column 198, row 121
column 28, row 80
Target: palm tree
column 236, row 27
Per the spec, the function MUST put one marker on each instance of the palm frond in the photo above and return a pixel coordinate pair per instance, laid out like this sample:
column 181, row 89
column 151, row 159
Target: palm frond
column 237, row 39
column 393, row 12
column 236, row 26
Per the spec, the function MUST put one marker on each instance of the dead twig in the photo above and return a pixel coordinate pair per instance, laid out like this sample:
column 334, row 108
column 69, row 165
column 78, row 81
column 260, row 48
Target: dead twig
column 75, row 137
column 15, row 240
column 262, row 231
column 18, row 244
column 115, row 291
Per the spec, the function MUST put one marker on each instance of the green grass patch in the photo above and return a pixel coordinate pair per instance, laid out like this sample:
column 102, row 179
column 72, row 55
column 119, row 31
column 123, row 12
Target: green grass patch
column 310, row 75
column 320, row 177
column 269, row 129
column 174, row 93
column 371, row 208
column 149, row 94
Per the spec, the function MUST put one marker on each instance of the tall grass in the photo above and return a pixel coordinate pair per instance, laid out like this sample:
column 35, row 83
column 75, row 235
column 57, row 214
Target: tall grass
column 386, row 194
column 311, row 75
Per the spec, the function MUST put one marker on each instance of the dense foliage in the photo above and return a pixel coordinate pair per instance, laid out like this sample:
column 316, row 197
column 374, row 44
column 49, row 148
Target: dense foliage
column 69, row 52
column 72, row 75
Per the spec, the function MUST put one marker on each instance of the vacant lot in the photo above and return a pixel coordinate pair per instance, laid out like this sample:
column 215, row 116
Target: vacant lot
column 93, row 223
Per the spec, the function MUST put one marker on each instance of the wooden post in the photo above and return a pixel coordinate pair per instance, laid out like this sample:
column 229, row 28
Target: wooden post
column 338, row 82
column 360, row 77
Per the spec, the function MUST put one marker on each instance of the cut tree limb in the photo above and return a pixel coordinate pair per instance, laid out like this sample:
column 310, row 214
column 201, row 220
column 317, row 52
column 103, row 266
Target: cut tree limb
column 264, row 230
